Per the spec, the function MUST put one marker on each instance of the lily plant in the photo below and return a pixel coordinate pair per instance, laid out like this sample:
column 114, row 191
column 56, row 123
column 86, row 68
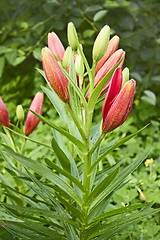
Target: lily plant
column 69, row 195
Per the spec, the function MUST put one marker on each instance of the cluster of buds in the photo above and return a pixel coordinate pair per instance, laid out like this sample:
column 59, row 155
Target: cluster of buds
column 120, row 92
column 31, row 120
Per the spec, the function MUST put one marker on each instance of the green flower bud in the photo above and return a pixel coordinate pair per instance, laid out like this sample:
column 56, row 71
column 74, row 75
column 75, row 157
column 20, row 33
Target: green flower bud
column 101, row 43
column 20, row 113
column 72, row 36
column 79, row 67
column 125, row 76
column 67, row 57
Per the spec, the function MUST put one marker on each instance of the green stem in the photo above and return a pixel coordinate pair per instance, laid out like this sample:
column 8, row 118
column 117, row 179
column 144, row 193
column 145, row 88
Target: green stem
column 8, row 133
column 92, row 79
column 85, row 62
column 76, row 122
column 97, row 143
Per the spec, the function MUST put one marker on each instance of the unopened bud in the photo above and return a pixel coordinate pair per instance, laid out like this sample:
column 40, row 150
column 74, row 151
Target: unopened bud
column 72, row 36
column 79, row 67
column 20, row 113
column 67, row 57
column 101, row 43
column 125, row 76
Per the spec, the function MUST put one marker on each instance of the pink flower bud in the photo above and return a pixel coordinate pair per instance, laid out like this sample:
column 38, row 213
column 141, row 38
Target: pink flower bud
column 54, row 75
column 109, row 64
column 55, row 45
column 117, row 104
column 112, row 47
column 4, row 118
column 32, row 120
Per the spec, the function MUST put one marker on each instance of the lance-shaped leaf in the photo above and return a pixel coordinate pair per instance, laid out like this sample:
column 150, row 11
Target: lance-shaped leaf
column 102, row 185
column 63, row 159
column 114, row 146
column 65, row 173
column 74, row 140
column 121, row 176
column 47, row 173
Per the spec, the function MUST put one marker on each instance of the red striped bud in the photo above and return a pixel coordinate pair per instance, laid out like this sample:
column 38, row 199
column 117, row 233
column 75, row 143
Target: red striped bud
column 117, row 104
column 112, row 47
column 54, row 75
column 32, row 120
column 109, row 64
column 4, row 118
column 55, row 45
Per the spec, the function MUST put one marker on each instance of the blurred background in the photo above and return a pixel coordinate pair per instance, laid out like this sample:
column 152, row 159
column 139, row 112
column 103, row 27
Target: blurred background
column 24, row 26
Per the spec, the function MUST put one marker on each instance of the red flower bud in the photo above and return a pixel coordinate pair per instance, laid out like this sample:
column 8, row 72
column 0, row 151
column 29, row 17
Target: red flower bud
column 4, row 118
column 55, row 45
column 54, row 75
column 109, row 64
column 32, row 120
column 117, row 104
column 112, row 47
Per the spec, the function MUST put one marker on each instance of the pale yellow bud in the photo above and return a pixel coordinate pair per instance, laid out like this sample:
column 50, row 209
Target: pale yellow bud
column 67, row 57
column 79, row 67
column 72, row 36
column 20, row 113
column 101, row 43
column 125, row 73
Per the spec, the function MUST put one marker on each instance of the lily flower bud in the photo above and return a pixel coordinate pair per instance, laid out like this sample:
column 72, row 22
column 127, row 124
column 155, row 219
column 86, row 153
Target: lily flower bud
column 112, row 47
column 101, row 43
column 32, row 120
column 117, row 104
column 67, row 57
column 20, row 113
column 54, row 75
column 79, row 66
column 4, row 118
column 55, row 45
column 72, row 36
column 125, row 76
column 109, row 64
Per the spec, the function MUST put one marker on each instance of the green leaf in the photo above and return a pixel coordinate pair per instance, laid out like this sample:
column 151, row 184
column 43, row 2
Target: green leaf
column 38, row 212
column 102, row 186
column 30, row 139
column 57, row 103
column 121, row 176
column 118, row 211
column 63, row 159
column 2, row 62
column 74, row 98
column 47, row 173
column 74, row 140
column 116, row 145
column 107, row 231
column 19, row 60
column 65, row 173
column 34, row 230
column 99, row 15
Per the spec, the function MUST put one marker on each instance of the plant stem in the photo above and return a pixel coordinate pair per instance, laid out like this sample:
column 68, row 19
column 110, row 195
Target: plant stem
column 97, row 143
column 76, row 121
column 8, row 133
column 92, row 79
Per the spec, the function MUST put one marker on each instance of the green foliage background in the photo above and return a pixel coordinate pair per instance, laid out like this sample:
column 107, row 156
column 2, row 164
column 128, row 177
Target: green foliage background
column 24, row 25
